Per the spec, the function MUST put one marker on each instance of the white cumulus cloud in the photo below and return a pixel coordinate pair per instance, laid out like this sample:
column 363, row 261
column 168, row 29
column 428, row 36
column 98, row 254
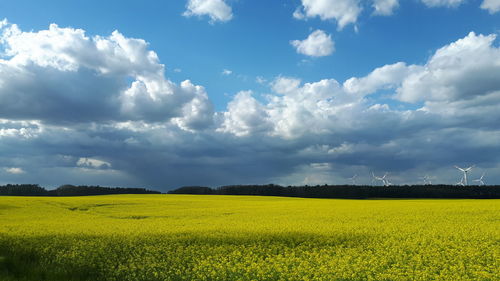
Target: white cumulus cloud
column 15, row 170
column 283, row 85
column 63, row 76
column 198, row 113
column 244, row 116
column 317, row 44
column 387, row 76
column 343, row 11
column 492, row 6
column 93, row 163
column 462, row 70
column 385, row 7
column 217, row 10
column 226, row 72
column 346, row 12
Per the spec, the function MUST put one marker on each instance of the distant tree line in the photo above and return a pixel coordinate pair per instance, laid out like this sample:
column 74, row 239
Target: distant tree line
column 318, row 191
column 68, row 190
column 350, row 191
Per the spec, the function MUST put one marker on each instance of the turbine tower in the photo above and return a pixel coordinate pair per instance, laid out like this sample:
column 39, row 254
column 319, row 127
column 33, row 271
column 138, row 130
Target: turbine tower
column 480, row 180
column 461, row 182
column 465, row 171
column 353, row 179
column 387, row 182
column 382, row 179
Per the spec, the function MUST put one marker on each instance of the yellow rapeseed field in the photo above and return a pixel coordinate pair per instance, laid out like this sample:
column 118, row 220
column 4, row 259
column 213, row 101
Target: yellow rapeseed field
column 189, row 237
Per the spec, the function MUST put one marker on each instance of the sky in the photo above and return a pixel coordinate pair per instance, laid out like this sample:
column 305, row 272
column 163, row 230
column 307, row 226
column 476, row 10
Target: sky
column 168, row 93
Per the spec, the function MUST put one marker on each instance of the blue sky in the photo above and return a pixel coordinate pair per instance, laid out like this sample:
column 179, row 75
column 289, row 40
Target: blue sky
column 255, row 42
column 267, row 110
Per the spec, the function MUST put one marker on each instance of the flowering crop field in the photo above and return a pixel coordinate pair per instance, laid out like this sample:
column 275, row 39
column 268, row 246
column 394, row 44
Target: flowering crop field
column 196, row 237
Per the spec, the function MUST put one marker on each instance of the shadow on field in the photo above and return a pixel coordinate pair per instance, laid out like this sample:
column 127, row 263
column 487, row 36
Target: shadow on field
column 87, row 207
column 24, row 265
column 86, row 257
column 6, row 207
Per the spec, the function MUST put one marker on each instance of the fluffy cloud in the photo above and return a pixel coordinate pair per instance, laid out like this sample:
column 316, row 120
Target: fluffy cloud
column 343, row 11
column 295, row 111
column 317, row 44
column 244, row 116
column 387, row 76
column 283, row 85
column 492, row 6
column 93, row 163
column 226, row 72
column 198, row 113
column 307, row 109
column 60, row 75
column 15, row 171
column 217, row 10
column 464, row 70
column 346, row 12
column 385, row 7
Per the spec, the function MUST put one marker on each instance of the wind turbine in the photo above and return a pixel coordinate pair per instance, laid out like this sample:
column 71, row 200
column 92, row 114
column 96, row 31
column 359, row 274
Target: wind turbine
column 387, row 182
column 427, row 179
column 465, row 171
column 353, row 179
column 461, row 182
column 480, row 180
column 382, row 179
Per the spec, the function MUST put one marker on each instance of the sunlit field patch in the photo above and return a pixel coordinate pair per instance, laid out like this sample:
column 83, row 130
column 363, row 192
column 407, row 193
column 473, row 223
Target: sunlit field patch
column 184, row 237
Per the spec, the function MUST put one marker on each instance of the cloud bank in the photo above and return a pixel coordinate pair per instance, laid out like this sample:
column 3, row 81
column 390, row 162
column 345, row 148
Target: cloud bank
column 60, row 75
column 99, row 110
